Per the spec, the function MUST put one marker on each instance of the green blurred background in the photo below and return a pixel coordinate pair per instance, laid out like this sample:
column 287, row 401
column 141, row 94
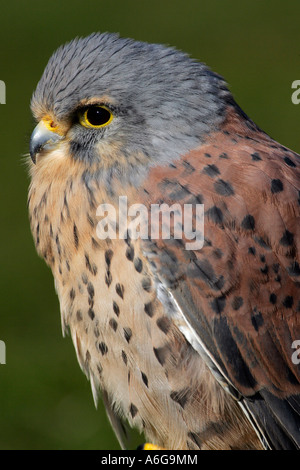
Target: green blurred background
column 45, row 400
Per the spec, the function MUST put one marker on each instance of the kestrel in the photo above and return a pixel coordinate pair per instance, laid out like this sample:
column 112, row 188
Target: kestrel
column 196, row 348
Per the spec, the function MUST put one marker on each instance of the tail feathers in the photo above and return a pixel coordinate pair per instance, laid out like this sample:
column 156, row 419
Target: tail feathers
column 279, row 419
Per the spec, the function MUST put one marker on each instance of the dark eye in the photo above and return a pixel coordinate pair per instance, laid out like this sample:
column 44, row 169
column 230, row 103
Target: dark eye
column 95, row 116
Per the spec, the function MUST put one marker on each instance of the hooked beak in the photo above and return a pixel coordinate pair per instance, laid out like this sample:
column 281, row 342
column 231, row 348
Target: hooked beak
column 42, row 137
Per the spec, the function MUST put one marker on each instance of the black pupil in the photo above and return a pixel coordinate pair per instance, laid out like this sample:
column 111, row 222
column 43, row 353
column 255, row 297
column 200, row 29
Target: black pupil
column 97, row 116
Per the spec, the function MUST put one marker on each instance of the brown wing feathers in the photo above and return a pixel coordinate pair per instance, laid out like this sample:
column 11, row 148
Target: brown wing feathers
column 240, row 292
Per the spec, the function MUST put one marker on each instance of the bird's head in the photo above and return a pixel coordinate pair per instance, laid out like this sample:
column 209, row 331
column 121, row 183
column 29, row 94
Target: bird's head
column 118, row 106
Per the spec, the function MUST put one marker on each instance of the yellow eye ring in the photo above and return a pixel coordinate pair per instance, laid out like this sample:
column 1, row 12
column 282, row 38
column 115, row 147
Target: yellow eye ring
column 95, row 117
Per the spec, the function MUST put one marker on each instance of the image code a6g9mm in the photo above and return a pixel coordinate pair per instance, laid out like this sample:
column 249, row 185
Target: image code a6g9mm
column 171, row 459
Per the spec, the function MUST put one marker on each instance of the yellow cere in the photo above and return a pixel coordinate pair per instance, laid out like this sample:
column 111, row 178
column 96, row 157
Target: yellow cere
column 51, row 126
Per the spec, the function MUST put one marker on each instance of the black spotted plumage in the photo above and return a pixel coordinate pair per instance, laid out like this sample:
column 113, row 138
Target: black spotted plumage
column 243, row 304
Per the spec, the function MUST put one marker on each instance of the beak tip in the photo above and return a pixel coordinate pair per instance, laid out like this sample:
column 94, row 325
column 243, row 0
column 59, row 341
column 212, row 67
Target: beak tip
column 34, row 149
column 33, row 157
